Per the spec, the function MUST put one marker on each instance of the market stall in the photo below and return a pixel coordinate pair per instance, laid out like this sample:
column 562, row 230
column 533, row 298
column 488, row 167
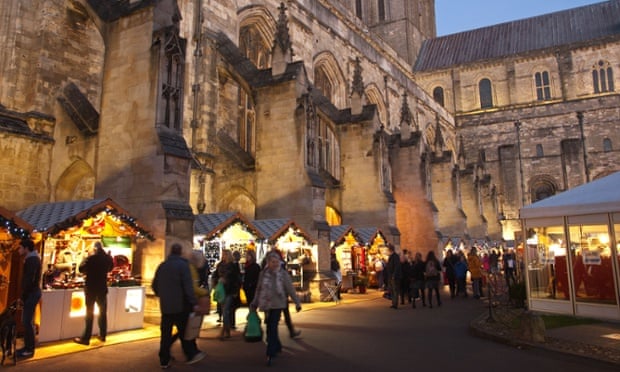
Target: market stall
column 69, row 231
column 366, row 254
column 572, row 251
column 345, row 240
column 12, row 230
column 231, row 230
column 295, row 244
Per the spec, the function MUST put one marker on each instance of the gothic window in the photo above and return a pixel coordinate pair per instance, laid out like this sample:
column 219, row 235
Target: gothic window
column 311, row 136
column 542, row 187
column 607, row 145
column 358, row 8
column 539, row 151
column 603, row 77
column 381, row 9
column 246, row 122
column 322, row 82
column 172, row 87
column 438, row 95
column 328, row 149
column 543, row 87
column 483, row 156
column 253, row 47
column 486, row 96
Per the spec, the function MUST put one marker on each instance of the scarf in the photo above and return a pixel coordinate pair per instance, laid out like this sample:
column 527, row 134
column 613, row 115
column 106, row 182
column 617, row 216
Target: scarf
column 271, row 288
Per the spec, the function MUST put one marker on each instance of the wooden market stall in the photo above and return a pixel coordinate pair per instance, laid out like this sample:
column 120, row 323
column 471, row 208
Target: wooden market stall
column 296, row 245
column 68, row 232
column 230, row 230
column 12, row 230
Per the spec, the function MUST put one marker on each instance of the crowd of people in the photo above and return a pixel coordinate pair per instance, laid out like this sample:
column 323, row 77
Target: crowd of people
column 409, row 277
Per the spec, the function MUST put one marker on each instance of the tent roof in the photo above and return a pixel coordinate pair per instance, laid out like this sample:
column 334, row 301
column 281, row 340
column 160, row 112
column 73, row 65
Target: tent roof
column 599, row 196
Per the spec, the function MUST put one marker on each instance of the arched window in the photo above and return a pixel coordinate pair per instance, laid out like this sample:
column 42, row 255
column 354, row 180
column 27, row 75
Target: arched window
column 539, row 151
column 603, row 77
column 438, row 95
column 381, row 9
column 543, row 87
column 253, row 47
column 246, row 122
column 486, row 93
column 607, row 145
column 542, row 187
column 358, row 8
column 322, row 82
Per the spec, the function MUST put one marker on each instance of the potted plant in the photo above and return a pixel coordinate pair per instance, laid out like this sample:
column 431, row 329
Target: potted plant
column 361, row 282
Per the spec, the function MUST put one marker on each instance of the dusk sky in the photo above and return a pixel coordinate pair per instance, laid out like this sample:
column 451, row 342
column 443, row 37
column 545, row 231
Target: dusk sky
column 462, row 15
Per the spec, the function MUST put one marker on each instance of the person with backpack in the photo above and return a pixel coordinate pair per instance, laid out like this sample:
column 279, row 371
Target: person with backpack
column 432, row 275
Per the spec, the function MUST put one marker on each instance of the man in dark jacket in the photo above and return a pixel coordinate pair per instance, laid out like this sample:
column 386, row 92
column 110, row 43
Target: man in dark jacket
column 173, row 285
column 31, row 294
column 96, row 268
column 394, row 275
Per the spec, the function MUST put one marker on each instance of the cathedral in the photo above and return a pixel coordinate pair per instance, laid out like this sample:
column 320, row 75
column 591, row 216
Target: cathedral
column 327, row 112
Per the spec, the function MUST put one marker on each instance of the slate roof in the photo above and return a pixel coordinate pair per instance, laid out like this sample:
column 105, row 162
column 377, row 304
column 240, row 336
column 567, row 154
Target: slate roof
column 573, row 26
column 52, row 218
column 210, row 224
column 15, row 225
column 274, row 228
column 368, row 234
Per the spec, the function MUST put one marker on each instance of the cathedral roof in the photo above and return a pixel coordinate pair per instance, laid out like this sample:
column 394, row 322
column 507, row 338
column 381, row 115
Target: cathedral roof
column 574, row 26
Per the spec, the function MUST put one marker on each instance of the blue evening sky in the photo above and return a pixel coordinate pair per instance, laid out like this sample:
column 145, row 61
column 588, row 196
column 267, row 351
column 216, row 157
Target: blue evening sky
column 462, row 15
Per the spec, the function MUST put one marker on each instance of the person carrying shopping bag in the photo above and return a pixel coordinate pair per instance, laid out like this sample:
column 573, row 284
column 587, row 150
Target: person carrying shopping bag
column 272, row 293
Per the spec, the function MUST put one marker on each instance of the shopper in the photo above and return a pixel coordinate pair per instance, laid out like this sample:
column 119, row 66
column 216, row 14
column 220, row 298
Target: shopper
column 394, row 274
column 475, row 272
column 460, row 273
column 31, row 294
column 172, row 283
column 274, row 288
column 96, row 268
column 335, row 269
column 227, row 272
column 417, row 279
column 432, row 276
column 448, row 263
column 250, row 276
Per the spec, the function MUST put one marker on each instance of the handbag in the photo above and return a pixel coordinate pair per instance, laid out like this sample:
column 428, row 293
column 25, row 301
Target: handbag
column 194, row 324
column 219, row 293
column 253, row 331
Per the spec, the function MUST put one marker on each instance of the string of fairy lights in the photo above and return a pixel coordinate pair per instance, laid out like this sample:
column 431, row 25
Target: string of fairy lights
column 13, row 228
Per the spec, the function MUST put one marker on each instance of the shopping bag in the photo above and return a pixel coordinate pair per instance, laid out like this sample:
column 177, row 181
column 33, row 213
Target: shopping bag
column 219, row 293
column 194, row 324
column 253, row 331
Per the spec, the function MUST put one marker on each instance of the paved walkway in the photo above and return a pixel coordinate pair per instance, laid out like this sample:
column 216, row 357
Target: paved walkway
column 600, row 341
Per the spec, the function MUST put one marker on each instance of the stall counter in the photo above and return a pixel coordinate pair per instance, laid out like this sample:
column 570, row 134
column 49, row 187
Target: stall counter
column 63, row 312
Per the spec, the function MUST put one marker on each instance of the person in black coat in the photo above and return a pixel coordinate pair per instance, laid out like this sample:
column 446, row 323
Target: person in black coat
column 417, row 279
column 394, row 275
column 96, row 268
column 31, row 294
column 448, row 263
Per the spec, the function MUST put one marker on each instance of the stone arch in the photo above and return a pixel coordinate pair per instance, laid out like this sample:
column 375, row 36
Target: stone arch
column 326, row 67
column 542, row 186
column 256, row 34
column 238, row 199
column 374, row 95
column 76, row 182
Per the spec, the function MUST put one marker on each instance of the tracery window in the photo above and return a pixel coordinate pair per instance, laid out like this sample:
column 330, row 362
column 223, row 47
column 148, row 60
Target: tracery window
column 322, row 82
column 329, row 151
column 253, row 47
column 486, row 93
column 172, row 87
column 543, row 87
column 438, row 95
column 246, row 119
column 603, row 77
column 381, row 9
column 358, row 9
column 539, row 151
